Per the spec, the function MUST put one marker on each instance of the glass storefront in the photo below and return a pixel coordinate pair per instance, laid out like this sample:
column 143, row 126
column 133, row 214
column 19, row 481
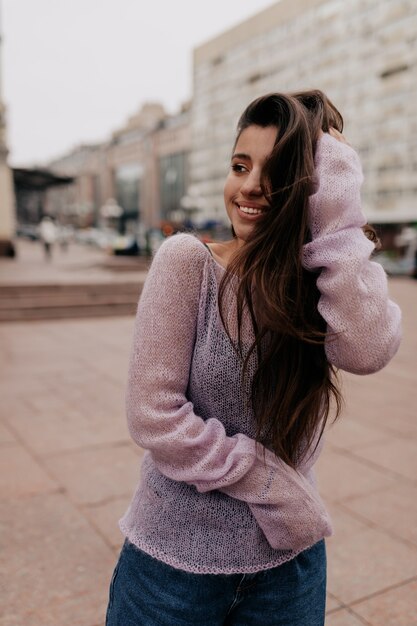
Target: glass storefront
column 128, row 195
column 172, row 183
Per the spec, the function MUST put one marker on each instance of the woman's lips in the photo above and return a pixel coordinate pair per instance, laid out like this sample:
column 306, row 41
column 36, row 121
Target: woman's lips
column 256, row 212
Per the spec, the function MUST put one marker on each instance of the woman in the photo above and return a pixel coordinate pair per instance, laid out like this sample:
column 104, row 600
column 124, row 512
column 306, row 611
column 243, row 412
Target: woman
column 231, row 377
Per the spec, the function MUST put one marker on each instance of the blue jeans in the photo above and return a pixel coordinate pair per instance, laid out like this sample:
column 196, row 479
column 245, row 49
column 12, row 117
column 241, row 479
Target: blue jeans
column 147, row 592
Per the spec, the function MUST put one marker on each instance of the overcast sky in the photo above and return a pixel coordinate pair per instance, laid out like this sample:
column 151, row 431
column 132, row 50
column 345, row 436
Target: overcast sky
column 74, row 70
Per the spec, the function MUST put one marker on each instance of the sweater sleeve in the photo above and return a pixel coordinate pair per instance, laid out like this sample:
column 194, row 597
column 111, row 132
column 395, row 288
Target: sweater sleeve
column 185, row 447
column 363, row 324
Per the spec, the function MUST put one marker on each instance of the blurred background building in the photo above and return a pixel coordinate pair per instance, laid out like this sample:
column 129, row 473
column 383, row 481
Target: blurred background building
column 7, row 200
column 134, row 182
column 361, row 53
column 167, row 171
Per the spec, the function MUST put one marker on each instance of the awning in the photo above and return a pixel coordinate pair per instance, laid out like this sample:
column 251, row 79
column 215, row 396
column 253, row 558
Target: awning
column 38, row 179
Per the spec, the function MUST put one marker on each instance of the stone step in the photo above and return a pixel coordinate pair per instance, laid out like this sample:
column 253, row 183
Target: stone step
column 36, row 302
column 55, row 313
column 23, row 290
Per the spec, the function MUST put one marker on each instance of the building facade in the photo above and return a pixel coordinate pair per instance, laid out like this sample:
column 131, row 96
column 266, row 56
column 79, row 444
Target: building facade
column 171, row 149
column 361, row 53
column 7, row 198
column 142, row 170
column 78, row 202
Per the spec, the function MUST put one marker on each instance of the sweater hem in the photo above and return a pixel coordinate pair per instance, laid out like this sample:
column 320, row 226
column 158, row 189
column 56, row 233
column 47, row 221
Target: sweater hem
column 160, row 555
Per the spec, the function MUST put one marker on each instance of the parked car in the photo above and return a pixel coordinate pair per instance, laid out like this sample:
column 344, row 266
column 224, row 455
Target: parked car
column 125, row 245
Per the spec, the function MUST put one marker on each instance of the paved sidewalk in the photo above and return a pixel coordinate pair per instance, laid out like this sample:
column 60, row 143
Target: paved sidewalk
column 80, row 264
column 68, row 468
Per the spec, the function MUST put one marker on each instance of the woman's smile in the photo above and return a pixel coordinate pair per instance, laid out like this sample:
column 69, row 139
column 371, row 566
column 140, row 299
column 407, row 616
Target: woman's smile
column 250, row 211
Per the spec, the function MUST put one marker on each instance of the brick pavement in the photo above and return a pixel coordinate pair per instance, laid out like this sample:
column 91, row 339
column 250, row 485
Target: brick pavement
column 68, row 468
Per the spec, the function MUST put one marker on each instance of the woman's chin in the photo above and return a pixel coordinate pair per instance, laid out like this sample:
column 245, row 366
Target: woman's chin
column 243, row 233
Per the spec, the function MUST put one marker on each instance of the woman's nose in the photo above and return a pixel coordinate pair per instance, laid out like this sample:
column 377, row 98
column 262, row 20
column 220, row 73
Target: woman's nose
column 252, row 184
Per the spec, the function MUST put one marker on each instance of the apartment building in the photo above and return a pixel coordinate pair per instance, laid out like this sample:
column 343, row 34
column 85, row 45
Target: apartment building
column 361, row 53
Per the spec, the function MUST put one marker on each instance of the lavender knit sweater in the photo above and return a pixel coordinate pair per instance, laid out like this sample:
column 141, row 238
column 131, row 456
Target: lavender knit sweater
column 210, row 499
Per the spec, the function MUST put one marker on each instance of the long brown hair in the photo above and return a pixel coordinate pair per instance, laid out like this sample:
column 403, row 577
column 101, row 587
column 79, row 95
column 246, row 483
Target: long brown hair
column 293, row 385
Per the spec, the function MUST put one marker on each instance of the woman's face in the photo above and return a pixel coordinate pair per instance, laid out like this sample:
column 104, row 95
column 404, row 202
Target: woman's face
column 243, row 196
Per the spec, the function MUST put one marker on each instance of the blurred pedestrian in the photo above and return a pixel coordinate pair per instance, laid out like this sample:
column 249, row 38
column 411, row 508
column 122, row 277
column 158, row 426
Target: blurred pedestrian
column 47, row 230
column 232, row 374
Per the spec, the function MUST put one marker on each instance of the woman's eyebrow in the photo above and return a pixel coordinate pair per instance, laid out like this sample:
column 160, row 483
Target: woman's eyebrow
column 241, row 155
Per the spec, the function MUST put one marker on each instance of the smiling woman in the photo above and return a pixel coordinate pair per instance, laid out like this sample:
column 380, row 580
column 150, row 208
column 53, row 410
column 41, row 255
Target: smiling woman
column 232, row 371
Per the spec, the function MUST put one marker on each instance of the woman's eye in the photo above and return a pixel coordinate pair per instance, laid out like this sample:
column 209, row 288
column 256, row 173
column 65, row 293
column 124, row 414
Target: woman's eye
column 239, row 168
